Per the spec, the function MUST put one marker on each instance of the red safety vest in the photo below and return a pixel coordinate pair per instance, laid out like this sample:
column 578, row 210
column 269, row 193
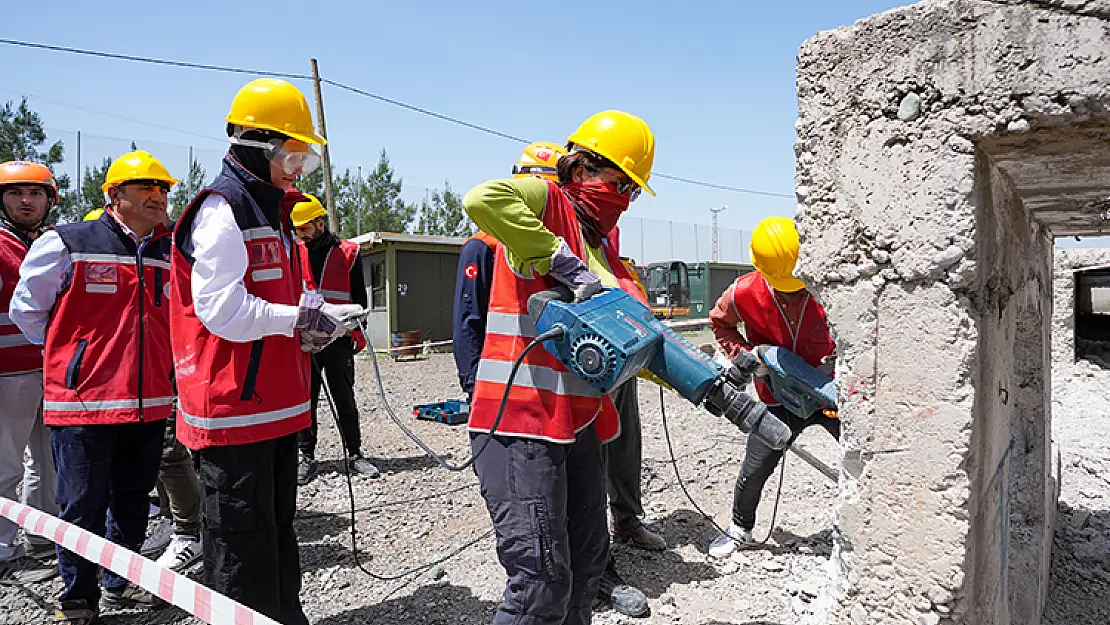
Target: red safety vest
column 547, row 401
column 238, row 393
column 107, row 353
column 765, row 324
column 17, row 354
column 335, row 279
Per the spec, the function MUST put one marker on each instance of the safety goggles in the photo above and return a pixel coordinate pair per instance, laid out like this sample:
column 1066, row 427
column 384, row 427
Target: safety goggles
column 295, row 157
column 625, row 186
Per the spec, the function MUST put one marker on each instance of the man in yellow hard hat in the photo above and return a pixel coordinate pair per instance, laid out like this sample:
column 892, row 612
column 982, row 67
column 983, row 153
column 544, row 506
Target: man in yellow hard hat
column 240, row 319
column 93, row 295
column 541, row 470
column 772, row 307
column 335, row 273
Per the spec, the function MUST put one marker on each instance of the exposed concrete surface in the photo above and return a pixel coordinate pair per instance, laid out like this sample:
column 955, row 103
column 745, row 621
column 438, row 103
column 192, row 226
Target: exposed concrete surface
column 940, row 147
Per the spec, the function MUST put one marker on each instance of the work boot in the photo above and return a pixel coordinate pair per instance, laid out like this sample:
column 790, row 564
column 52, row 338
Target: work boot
column 626, row 599
column 41, row 551
column 640, row 536
column 306, row 470
column 25, row 570
column 76, row 612
column 361, row 466
column 181, row 553
column 736, row 537
column 159, row 537
column 129, row 596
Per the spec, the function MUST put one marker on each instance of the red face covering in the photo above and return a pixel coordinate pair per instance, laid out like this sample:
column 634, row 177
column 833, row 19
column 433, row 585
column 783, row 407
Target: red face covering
column 598, row 206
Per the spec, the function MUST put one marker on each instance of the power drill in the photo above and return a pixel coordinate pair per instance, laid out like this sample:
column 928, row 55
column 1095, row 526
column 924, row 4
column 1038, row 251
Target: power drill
column 609, row 338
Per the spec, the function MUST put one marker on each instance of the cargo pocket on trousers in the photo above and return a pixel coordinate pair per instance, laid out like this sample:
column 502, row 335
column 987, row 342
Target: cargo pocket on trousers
column 524, row 538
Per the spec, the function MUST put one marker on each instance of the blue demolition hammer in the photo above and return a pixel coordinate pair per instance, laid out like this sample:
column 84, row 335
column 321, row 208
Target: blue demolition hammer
column 609, row 338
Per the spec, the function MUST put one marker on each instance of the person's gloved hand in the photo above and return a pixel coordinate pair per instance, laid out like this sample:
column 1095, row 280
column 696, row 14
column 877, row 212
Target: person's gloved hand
column 320, row 321
column 360, row 340
column 571, row 271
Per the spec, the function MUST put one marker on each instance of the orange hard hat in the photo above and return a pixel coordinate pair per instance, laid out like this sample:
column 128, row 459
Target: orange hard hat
column 24, row 172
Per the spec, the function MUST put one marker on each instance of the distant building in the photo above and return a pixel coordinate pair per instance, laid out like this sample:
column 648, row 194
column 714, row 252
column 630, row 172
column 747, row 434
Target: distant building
column 410, row 284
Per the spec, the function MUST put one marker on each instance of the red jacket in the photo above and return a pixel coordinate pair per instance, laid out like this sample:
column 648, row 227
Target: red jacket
column 17, row 354
column 547, row 401
column 751, row 302
column 107, row 352
column 238, row 393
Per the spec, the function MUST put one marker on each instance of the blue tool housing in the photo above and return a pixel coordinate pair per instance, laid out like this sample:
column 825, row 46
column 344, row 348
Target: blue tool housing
column 799, row 387
column 612, row 336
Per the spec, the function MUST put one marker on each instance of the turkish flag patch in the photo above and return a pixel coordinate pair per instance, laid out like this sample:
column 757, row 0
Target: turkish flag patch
column 471, row 271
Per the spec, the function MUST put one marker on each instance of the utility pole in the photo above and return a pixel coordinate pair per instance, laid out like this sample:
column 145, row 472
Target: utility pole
column 358, row 209
column 189, row 177
column 717, row 232
column 329, row 194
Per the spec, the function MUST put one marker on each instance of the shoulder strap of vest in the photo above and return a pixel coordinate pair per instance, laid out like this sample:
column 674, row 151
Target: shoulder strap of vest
column 485, row 238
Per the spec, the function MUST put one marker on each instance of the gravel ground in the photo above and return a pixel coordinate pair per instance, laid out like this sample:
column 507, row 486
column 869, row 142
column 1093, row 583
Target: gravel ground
column 417, row 512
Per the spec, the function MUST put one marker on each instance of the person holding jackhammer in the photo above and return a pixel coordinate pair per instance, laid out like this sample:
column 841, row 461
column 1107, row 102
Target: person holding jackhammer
column 774, row 308
column 92, row 294
column 337, row 274
column 242, row 322
column 541, row 474
column 622, row 457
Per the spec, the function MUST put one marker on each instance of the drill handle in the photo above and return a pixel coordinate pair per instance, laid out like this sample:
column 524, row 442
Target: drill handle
column 538, row 301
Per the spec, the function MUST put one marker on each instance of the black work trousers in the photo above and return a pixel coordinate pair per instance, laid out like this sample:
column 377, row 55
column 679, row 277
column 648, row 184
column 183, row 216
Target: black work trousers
column 760, row 462
column 623, row 458
column 547, row 504
column 250, row 550
column 337, row 361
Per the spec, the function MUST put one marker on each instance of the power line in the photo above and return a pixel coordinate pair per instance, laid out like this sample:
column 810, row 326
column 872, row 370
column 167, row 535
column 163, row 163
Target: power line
column 424, row 111
column 355, row 90
column 152, row 61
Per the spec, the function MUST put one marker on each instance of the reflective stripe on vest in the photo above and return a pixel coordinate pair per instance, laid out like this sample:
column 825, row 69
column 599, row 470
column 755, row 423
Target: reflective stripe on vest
column 247, row 420
column 535, row 376
column 510, row 324
column 108, row 404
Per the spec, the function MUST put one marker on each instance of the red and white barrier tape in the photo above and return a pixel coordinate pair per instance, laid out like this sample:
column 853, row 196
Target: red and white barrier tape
column 196, row 599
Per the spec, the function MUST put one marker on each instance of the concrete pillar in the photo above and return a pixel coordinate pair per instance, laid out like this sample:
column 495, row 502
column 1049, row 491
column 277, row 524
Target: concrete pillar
column 940, row 149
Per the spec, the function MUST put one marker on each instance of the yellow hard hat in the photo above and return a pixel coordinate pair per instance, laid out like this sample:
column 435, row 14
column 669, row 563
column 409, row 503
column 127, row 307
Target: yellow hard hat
column 273, row 104
column 540, row 159
column 137, row 165
column 304, row 212
column 94, row 214
column 775, row 252
column 622, row 138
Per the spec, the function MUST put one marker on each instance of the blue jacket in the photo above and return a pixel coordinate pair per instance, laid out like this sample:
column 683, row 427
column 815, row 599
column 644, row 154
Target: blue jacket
column 472, row 287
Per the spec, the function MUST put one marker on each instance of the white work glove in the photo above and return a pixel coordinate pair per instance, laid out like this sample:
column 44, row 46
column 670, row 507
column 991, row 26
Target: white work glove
column 571, row 271
column 320, row 323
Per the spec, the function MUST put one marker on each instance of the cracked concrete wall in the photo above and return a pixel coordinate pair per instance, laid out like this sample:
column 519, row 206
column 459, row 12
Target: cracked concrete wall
column 940, row 147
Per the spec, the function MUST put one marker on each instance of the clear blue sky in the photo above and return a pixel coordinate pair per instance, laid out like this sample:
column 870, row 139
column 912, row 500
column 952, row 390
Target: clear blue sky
column 714, row 80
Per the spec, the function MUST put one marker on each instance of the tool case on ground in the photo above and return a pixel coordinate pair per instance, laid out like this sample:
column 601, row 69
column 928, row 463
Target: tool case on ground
column 451, row 412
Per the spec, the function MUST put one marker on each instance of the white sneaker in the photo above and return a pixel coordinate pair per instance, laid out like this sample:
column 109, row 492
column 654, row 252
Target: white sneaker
column 159, row 537
column 181, row 553
column 723, row 545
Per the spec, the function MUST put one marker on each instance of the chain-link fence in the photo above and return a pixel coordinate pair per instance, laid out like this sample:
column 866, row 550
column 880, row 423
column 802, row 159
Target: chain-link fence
column 651, row 240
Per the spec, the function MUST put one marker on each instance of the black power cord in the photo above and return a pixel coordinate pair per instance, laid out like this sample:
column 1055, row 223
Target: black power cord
column 682, row 485
column 553, row 333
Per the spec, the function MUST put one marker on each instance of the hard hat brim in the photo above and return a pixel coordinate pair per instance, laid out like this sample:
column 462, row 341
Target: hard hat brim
column 311, row 138
column 108, row 184
column 784, row 285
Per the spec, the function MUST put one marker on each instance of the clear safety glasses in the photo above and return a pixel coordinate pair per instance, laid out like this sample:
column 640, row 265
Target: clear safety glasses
column 295, row 157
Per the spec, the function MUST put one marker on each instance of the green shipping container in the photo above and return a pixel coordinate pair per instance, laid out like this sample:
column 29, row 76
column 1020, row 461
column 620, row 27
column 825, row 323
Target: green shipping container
column 707, row 282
